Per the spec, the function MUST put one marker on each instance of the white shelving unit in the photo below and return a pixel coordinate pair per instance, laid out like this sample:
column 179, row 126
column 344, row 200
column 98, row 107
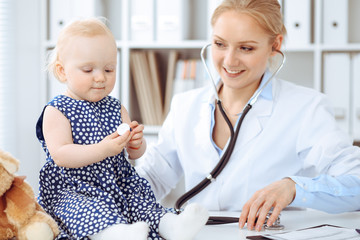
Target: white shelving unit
column 304, row 66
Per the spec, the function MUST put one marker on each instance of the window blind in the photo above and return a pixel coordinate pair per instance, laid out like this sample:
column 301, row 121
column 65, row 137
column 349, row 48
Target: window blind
column 7, row 76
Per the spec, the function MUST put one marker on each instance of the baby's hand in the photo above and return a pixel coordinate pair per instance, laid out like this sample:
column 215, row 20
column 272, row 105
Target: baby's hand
column 136, row 136
column 114, row 144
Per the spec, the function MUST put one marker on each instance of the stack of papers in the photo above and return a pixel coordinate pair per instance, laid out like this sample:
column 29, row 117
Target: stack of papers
column 323, row 232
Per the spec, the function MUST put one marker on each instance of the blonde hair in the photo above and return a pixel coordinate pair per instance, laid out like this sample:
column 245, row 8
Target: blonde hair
column 88, row 27
column 266, row 12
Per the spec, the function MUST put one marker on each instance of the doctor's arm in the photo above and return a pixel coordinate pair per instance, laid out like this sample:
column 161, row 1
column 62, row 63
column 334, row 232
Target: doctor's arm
column 328, row 152
column 160, row 164
column 327, row 193
column 325, row 151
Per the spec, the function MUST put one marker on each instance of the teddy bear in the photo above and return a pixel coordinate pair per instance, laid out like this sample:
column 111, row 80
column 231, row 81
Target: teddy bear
column 21, row 217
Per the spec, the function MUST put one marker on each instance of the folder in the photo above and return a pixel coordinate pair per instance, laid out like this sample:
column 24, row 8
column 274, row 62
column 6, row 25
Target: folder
column 64, row 11
column 141, row 78
column 212, row 5
column 155, row 82
column 87, row 8
column 172, row 20
column 170, row 76
column 297, row 18
column 59, row 15
column 201, row 75
column 142, row 20
column 185, row 75
column 335, row 21
column 356, row 96
column 337, row 86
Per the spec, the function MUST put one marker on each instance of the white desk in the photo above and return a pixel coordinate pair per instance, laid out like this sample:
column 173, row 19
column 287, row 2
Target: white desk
column 291, row 219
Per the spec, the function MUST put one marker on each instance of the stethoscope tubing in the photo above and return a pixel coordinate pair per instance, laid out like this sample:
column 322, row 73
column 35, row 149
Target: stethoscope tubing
column 213, row 220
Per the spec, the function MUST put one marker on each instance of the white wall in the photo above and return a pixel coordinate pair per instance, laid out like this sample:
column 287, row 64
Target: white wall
column 28, row 95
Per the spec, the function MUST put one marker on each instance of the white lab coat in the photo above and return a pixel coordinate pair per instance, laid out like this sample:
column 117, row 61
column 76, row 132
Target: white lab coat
column 291, row 133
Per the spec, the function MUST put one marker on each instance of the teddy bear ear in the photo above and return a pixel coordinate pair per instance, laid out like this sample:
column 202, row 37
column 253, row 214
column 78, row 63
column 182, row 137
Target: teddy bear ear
column 10, row 163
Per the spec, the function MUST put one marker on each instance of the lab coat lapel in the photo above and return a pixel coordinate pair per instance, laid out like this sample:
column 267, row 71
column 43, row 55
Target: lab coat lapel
column 258, row 115
column 203, row 129
column 255, row 121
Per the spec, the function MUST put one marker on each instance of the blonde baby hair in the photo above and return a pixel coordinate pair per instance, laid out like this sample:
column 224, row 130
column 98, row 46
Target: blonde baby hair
column 88, row 27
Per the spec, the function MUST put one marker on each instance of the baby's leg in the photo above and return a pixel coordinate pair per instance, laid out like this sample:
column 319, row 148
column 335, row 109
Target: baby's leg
column 135, row 231
column 184, row 226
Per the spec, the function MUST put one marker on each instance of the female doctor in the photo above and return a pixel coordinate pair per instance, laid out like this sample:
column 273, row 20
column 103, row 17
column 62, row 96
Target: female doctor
column 290, row 150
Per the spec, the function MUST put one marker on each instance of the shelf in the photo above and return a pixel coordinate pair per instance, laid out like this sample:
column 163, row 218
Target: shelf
column 151, row 130
column 299, row 48
column 350, row 47
column 187, row 44
column 304, row 65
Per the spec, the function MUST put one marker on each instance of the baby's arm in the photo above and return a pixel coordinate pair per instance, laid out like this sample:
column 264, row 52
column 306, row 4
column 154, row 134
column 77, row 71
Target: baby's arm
column 58, row 136
column 137, row 144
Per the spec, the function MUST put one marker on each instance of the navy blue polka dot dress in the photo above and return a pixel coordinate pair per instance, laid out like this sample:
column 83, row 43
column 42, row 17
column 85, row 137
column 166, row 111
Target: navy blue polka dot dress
column 86, row 200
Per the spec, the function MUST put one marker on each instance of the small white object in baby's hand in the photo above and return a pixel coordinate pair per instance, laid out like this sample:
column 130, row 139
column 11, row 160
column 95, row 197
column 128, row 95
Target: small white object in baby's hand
column 123, row 128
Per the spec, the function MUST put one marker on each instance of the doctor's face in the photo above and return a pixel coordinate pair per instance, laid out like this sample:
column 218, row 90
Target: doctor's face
column 240, row 50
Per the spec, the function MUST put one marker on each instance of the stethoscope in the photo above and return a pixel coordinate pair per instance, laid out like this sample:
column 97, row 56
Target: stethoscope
column 227, row 154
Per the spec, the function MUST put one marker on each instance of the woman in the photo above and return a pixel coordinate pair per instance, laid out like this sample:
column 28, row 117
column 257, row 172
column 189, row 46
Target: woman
column 289, row 150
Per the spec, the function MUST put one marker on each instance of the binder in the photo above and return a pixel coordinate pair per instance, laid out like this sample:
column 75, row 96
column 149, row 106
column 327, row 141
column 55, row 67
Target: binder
column 141, row 74
column 185, row 75
column 212, row 5
column 337, row 86
column 356, row 96
column 170, row 75
column 335, row 21
column 157, row 96
column 64, row 11
column 297, row 18
column 86, row 8
column 172, row 20
column 201, row 75
column 190, row 74
column 142, row 20
column 60, row 15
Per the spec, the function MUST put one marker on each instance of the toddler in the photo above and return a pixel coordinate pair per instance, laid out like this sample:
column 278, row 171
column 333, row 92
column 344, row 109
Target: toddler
column 86, row 184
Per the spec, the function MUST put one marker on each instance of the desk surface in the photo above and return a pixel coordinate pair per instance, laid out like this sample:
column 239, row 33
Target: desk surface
column 291, row 219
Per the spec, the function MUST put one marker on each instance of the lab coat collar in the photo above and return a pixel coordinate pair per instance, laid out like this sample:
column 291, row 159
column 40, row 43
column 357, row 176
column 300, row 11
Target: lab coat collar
column 257, row 116
column 266, row 92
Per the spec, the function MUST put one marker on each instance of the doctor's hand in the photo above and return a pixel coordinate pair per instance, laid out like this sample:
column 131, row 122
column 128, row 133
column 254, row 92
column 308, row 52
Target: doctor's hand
column 277, row 195
column 136, row 135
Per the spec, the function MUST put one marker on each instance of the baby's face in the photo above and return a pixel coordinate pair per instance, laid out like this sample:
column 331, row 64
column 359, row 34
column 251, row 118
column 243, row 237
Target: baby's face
column 89, row 67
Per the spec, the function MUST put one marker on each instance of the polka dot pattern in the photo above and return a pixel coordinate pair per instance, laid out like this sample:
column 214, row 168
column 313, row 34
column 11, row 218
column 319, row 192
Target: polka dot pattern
column 86, row 200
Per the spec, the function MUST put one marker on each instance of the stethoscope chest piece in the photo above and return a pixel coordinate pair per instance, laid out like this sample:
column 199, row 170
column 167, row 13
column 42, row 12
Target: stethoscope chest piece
column 276, row 225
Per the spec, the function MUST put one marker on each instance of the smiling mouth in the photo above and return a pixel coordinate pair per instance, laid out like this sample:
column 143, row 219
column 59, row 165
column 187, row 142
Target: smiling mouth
column 233, row 71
